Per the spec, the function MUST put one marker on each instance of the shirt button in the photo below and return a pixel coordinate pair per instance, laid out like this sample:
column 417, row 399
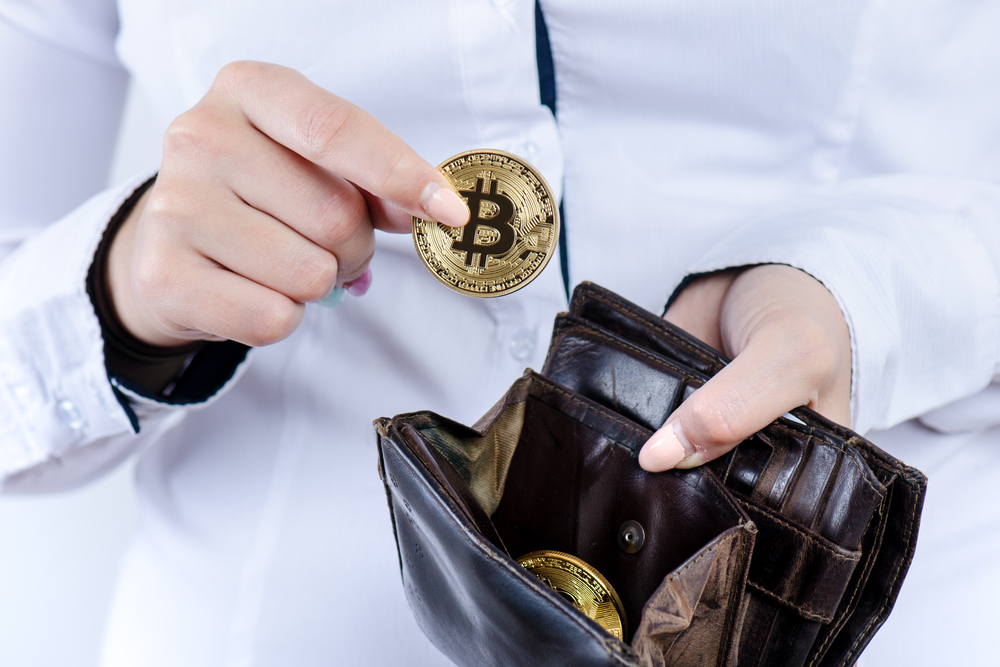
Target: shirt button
column 522, row 344
column 527, row 150
column 70, row 415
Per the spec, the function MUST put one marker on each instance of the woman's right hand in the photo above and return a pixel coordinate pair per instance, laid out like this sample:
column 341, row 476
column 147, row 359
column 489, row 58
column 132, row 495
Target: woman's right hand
column 267, row 198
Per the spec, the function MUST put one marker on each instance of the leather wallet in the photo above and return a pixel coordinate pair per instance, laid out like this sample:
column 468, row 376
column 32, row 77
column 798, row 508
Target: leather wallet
column 789, row 550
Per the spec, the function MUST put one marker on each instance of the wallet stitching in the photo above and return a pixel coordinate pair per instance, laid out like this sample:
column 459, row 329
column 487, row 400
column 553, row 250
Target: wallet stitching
column 737, row 598
column 632, row 347
column 676, row 573
column 841, row 447
column 703, row 356
column 688, row 375
column 670, row 578
column 850, row 603
column 732, row 502
column 812, row 616
column 814, row 539
column 875, row 460
column 634, row 315
column 855, row 558
column 893, row 581
column 631, row 426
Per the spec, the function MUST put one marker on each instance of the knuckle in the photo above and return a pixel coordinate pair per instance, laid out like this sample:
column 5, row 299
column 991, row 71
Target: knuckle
column 237, row 70
column 323, row 127
column 194, row 132
column 160, row 208
column 351, row 206
column 404, row 174
column 274, row 320
column 180, row 135
column 233, row 74
column 166, row 220
column 148, row 278
column 716, row 422
column 154, row 282
column 339, row 217
column 398, row 169
column 355, row 254
column 314, row 277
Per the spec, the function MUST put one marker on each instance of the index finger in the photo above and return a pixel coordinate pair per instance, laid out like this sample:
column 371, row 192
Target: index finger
column 342, row 138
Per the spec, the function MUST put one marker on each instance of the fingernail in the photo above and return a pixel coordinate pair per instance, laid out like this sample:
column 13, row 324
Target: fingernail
column 334, row 298
column 663, row 451
column 359, row 286
column 443, row 205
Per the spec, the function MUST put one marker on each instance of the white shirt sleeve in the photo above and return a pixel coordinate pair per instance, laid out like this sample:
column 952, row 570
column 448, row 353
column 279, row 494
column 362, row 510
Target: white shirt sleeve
column 61, row 421
column 914, row 263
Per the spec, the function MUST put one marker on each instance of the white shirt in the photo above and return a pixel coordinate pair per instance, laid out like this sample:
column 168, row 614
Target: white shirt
column 849, row 139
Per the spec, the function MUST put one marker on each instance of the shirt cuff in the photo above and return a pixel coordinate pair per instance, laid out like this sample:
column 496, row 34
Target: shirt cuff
column 913, row 264
column 57, row 404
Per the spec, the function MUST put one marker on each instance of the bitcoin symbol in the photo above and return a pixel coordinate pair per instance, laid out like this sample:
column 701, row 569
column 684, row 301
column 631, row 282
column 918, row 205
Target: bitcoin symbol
column 511, row 219
column 489, row 209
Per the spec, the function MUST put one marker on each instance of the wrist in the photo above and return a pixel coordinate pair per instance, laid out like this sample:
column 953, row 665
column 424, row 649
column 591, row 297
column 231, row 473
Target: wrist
column 127, row 355
column 118, row 273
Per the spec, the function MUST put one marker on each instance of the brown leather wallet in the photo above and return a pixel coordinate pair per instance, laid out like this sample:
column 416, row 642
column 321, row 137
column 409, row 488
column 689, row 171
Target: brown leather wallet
column 790, row 550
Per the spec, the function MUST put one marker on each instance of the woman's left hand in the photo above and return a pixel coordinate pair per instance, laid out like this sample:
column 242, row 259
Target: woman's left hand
column 790, row 347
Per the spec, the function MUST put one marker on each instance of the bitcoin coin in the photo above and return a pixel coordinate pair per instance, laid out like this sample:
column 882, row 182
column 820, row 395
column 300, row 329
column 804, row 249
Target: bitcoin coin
column 581, row 585
column 513, row 228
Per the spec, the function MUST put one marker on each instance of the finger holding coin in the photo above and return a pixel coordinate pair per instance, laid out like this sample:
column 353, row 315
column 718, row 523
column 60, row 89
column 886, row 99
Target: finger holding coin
column 513, row 227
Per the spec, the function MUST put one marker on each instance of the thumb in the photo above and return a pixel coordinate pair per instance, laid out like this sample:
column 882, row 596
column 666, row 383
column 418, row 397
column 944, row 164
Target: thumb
column 792, row 347
column 752, row 391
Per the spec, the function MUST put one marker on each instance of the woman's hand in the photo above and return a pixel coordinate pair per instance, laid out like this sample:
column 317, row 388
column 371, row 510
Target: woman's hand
column 268, row 197
column 790, row 347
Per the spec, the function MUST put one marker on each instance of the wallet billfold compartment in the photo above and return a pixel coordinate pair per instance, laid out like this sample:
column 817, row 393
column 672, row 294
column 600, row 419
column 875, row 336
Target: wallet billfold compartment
column 789, row 550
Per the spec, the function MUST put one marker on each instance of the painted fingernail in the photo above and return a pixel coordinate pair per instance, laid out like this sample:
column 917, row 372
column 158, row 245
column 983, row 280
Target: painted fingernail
column 333, row 299
column 442, row 204
column 663, row 451
column 359, row 286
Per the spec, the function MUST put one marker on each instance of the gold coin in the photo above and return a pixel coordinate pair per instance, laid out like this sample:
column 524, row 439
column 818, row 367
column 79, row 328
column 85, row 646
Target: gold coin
column 513, row 228
column 583, row 586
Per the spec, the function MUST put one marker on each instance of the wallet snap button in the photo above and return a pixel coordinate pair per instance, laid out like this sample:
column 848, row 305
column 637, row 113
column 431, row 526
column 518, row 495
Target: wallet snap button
column 631, row 537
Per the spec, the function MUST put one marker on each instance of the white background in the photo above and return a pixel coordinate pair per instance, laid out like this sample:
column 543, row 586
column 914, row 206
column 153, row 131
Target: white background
column 59, row 554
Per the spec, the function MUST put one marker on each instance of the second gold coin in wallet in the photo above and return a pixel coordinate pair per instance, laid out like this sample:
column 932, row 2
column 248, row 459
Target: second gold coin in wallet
column 513, row 228
column 582, row 585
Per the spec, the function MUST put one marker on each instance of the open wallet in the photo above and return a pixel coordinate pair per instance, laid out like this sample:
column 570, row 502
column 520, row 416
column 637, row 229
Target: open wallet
column 790, row 550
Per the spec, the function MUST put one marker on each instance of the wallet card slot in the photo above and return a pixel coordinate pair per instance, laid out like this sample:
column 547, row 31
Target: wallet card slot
column 828, row 488
column 798, row 568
